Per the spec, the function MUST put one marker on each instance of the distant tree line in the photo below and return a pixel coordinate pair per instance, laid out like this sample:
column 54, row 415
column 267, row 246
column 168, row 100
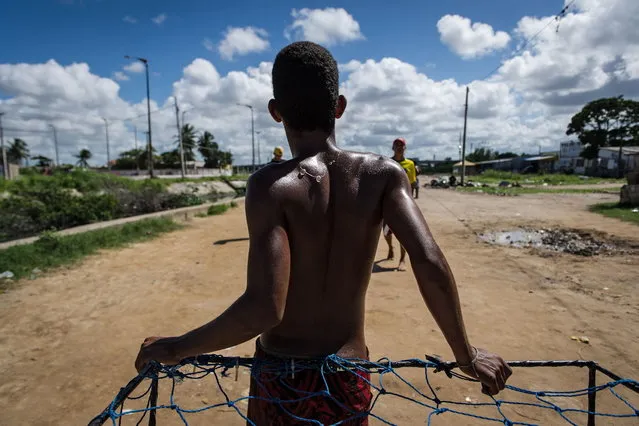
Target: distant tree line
column 203, row 143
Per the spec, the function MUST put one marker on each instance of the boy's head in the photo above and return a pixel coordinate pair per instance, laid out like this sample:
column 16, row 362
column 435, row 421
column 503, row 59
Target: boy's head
column 306, row 88
column 399, row 146
column 278, row 152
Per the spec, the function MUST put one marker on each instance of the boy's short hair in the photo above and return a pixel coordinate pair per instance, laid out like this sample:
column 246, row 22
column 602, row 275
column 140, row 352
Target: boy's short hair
column 306, row 86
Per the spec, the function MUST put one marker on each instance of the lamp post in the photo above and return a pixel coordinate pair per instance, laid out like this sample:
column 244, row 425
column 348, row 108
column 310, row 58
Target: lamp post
column 259, row 152
column 148, row 109
column 55, row 143
column 252, row 134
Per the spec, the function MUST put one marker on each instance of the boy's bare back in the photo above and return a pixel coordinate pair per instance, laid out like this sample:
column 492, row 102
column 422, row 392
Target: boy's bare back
column 314, row 224
column 333, row 228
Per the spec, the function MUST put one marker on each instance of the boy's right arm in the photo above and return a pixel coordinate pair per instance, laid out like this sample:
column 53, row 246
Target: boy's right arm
column 436, row 282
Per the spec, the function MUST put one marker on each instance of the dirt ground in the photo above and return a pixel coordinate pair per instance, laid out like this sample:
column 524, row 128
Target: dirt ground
column 68, row 339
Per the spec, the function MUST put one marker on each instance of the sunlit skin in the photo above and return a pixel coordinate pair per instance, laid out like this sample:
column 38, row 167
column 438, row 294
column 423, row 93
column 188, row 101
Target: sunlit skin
column 311, row 252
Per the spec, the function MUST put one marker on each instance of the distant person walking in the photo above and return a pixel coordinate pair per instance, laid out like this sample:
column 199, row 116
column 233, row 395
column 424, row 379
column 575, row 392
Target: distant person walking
column 278, row 152
column 399, row 149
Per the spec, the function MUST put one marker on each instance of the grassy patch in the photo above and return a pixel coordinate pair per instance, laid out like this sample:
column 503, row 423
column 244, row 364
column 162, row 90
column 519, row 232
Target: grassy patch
column 492, row 190
column 51, row 250
column 494, row 177
column 617, row 211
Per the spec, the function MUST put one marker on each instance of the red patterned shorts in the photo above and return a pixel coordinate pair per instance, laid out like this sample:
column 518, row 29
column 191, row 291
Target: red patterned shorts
column 350, row 395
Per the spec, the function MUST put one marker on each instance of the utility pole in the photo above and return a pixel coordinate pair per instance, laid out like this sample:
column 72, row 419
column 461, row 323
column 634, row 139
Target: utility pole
column 106, row 126
column 55, row 142
column 252, row 134
column 137, row 157
column 148, row 110
column 177, row 122
column 5, row 165
column 463, row 174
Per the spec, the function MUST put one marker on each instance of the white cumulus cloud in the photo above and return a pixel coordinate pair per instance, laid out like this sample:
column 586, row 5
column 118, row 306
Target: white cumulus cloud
column 470, row 40
column 135, row 67
column 328, row 26
column 241, row 41
column 158, row 20
column 528, row 102
column 120, row 76
column 130, row 19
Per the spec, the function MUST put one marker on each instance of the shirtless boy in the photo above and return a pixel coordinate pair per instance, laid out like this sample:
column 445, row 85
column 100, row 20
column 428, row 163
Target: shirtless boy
column 314, row 224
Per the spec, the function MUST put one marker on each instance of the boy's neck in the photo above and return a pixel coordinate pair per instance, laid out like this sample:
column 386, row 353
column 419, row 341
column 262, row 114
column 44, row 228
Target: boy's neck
column 305, row 144
column 398, row 157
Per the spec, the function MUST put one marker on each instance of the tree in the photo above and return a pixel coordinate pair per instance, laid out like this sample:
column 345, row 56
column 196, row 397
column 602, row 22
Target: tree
column 189, row 141
column 482, row 154
column 210, row 150
column 131, row 159
column 171, row 159
column 83, row 158
column 605, row 122
column 506, row 155
column 42, row 161
column 17, row 151
column 226, row 158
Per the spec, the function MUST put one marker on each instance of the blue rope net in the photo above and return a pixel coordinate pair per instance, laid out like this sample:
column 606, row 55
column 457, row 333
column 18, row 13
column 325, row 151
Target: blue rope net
column 525, row 406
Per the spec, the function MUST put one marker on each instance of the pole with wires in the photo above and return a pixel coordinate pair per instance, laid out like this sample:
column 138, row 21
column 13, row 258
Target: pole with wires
column 55, row 143
column 463, row 159
column 5, row 165
column 108, row 151
column 179, row 135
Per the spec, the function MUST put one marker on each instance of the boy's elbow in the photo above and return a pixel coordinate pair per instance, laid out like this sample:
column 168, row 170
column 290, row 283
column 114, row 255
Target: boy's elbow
column 266, row 312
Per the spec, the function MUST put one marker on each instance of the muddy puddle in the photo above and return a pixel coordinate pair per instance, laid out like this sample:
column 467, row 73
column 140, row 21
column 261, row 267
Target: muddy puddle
column 580, row 243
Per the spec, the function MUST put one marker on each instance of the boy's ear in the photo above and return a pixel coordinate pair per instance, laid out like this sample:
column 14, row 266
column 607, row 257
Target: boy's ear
column 341, row 106
column 272, row 108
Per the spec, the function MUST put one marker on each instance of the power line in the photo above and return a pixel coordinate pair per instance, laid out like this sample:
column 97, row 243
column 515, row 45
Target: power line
column 527, row 42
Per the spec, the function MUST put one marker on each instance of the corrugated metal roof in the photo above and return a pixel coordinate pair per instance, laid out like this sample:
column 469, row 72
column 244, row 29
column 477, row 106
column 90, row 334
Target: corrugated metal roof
column 539, row 158
column 627, row 150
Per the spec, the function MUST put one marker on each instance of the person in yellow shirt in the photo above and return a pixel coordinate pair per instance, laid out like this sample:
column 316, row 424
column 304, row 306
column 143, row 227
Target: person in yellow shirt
column 399, row 149
column 278, row 152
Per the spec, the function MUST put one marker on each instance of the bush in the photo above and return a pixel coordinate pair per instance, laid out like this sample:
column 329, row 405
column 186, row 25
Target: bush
column 43, row 209
column 217, row 209
column 71, row 198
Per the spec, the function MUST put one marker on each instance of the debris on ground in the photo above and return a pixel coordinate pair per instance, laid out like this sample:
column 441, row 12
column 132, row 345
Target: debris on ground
column 582, row 339
column 6, row 275
column 575, row 242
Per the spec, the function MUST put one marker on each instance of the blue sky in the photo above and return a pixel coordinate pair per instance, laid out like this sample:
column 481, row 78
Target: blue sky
column 93, row 31
column 405, row 69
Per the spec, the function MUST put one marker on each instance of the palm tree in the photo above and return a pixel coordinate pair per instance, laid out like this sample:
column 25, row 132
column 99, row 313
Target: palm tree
column 189, row 141
column 83, row 158
column 42, row 161
column 17, row 151
column 209, row 150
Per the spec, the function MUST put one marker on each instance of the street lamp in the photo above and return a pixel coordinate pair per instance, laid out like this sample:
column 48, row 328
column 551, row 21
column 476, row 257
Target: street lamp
column 252, row 133
column 55, row 142
column 259, row 152
column 106, row 127
column 148, row 109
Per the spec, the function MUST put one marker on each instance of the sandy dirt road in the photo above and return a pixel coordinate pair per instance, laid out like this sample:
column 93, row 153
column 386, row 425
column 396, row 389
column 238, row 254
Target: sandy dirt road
column 68, row 339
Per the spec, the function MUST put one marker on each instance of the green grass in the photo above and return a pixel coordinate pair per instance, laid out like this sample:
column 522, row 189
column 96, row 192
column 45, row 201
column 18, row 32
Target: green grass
column 494, row 177
column 51, row 251
column 617, row 211
column 492, row 190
